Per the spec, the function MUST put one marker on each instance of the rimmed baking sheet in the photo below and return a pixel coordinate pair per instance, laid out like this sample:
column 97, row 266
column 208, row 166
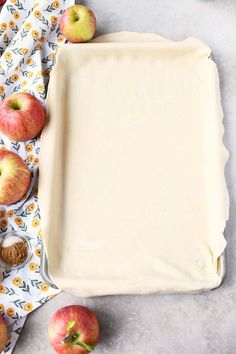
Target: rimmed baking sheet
column 46, row 276
column 132, row 188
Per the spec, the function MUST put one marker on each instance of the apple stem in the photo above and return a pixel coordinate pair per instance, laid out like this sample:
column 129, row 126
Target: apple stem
column 73, row 339
column 70, row 338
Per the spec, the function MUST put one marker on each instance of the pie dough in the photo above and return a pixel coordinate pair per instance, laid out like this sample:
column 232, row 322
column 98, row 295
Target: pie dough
column 132, row 189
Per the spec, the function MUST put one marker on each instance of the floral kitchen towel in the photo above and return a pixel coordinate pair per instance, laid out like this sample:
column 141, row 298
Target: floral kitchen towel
column 29, row 38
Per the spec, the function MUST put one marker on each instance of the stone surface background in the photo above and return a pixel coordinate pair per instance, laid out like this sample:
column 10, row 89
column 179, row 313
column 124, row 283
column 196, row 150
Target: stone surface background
column 170, row 324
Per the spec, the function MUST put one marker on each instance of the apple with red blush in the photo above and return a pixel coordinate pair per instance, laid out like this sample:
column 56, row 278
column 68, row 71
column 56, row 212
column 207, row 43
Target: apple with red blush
column 22, row 117
column 78, row 24
column 73, row 330
column 14, row 177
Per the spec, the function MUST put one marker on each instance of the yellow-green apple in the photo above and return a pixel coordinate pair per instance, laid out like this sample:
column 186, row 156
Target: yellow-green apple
column 22, row 117
column 14, row 177
column 78, row 24
column 73, row 330
column 3, row 334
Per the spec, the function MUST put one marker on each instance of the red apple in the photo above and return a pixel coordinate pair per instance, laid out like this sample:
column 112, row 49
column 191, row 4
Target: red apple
column 2, row 2
column 14, row 177
column 22, row 117
column 78, row 24
column 3, row 334
column 73, row 330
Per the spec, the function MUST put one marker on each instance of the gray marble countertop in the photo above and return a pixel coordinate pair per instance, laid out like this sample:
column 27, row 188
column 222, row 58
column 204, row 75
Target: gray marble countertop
column 167, row 324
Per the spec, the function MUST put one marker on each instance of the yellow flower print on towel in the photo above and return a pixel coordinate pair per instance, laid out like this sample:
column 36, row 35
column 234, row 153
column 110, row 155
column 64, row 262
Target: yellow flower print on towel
column 17, row 281
column 10, row 312
column 60, row 38
column 54, row 19
column 56, row 4
column 7, row 55
column 18, row 221
column 30, row 159
column 37, row 252
column 29, row 61
column 35, row 222
column 31, row 207
column 3, row 26
column 2, row 289
column 10, row 213
column 24, row 51
column 37, row 14
column 11, row 24
column 23, row 84
column 4, row 223
column 16, row 15
column 27, row 26
column 35, row 34
column 15, row 77
column 44, row 287
column 29, row 147
column 40, row 87
column 33, row 267
column 28, row 307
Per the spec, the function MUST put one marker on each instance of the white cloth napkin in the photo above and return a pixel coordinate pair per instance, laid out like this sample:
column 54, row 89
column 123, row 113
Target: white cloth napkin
column 29, row 37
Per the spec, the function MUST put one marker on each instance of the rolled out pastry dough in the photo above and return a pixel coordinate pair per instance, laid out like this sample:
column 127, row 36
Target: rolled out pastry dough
column 132, row 189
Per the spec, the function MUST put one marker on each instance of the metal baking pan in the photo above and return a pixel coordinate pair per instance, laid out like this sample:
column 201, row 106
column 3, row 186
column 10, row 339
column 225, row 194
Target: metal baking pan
column 44, row 264
column 46, row 277
column 44, row 269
